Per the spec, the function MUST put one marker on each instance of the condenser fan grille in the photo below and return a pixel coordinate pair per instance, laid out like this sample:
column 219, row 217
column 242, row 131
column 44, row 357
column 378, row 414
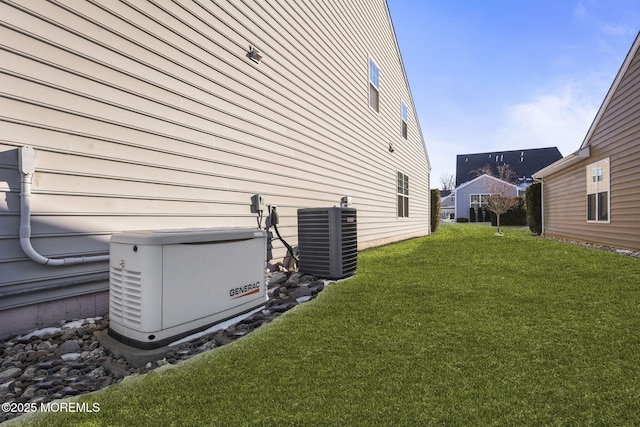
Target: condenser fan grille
column 328, row 241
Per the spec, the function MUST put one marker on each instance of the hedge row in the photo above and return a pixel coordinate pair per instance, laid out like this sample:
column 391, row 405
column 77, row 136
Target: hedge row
column 533, row 201
column 528, row 212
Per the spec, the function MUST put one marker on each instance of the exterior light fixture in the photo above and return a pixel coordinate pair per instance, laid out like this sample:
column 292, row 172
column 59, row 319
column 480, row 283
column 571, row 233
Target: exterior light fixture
column 254, row 55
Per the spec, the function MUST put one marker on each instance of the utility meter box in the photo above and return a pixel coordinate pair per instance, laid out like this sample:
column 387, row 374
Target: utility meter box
column 167, row 284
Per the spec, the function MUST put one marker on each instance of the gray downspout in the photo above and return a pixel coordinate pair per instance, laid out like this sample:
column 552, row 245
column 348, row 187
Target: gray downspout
column 542, row 203
column 27, row 166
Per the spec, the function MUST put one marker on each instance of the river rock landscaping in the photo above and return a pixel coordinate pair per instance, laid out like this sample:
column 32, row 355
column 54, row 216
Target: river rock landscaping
column 619, row 251
column 67, row 360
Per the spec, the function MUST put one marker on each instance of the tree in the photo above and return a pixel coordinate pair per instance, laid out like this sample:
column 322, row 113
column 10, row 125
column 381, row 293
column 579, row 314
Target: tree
column 447, row 182
column 435, row 209
column 500, row 200
column 505, row 172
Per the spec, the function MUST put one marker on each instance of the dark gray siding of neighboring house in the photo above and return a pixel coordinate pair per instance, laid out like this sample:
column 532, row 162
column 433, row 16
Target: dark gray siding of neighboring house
column 615, row 135
column 148, row 115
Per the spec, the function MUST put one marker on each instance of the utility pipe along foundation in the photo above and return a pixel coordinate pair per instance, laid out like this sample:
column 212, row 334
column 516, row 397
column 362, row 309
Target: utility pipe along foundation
column 27, row 167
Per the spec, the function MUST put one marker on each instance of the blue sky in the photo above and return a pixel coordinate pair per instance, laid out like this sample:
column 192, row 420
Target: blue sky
column 506, row 75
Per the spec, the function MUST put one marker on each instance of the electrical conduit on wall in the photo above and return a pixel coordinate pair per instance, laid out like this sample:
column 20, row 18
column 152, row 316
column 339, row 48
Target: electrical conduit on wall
column 27, row 166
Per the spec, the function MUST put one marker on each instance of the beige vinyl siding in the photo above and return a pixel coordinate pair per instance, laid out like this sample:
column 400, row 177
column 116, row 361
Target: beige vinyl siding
column 617, row 136
column 149, row 115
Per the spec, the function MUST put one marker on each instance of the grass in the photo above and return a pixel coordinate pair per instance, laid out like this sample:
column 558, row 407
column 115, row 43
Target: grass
column 459, row 328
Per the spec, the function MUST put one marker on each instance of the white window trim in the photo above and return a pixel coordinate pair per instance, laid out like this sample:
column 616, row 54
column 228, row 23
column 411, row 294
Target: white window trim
column 590, row 167
column 478, row 194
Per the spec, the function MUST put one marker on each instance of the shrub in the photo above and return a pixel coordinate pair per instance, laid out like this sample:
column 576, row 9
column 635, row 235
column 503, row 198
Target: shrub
column 485, row 215
column 533, row 203
column 472, row 215
column 462, row 220
column 435, row 209
column 514, row 216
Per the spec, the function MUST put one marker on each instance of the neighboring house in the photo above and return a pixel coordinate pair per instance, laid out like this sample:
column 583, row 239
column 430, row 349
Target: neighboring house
column 594, row 194
column 447, row 205
column 475, row 193
column 522, row 162
column 147, row 115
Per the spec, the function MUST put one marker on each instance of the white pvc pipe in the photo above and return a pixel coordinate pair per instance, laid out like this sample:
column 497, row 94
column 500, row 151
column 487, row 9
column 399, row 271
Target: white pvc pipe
column 27, row 168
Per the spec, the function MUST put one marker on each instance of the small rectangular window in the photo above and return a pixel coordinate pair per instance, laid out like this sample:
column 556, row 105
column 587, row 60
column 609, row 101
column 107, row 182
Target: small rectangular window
column 374, row 86
column 596, row 174
column 404, row 119
column 403, row 195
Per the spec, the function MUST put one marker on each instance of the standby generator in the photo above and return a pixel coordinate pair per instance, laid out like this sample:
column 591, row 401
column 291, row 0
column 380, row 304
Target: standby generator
column 167, row 284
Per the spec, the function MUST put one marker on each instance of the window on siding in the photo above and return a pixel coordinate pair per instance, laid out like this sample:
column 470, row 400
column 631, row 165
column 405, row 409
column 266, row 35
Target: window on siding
column 479, row 200
column 403, row 195
column 405, row 119
column 374, row 86
column 598, row 191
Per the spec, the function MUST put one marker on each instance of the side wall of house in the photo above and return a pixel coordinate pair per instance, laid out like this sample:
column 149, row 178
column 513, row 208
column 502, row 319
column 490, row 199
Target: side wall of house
column 150, row 116
column 617, row 137
column 464, row 192
column 463, row 197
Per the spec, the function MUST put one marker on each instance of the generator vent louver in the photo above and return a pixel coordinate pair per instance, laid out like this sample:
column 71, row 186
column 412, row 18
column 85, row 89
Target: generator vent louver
column 125, row 296
column 328, row 241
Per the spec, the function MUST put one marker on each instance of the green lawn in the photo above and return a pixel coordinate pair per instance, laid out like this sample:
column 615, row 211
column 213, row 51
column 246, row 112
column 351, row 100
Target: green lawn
column 459, row 328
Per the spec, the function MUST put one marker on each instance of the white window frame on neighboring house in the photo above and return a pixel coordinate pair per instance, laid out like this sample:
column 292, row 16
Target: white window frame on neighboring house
column 598, row 175
column 404, row 115
column 482, row 200
column 402, row 208
column 374, row 85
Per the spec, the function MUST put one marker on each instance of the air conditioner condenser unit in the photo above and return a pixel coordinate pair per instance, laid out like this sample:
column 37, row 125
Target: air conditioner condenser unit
column 167, row 284
column 328, row 242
